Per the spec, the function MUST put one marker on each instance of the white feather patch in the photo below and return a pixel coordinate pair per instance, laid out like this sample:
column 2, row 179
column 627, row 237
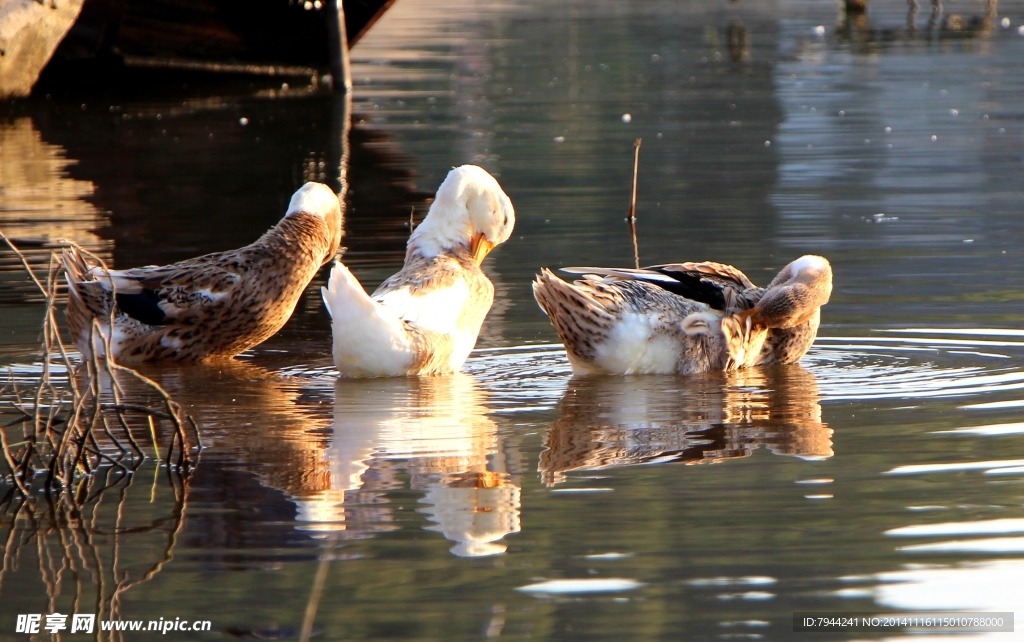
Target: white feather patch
column 808, row 262
column 124, row 284
column 313, row 198
column 369, row 339
column 437, row 309
column 630, row 348
column 210, row 295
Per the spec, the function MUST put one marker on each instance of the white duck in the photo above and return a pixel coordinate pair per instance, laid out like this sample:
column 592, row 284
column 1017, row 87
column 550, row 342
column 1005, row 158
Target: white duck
column 425, row 319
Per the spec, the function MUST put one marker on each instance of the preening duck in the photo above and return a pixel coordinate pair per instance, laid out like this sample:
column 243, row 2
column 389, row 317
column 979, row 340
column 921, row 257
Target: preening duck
column 425, row 319
column 209, row 307
column 684, row 317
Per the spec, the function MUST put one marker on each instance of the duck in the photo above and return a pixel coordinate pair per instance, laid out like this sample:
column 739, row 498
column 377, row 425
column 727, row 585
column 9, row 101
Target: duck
column 684, row 318
column 207, row 308
column 424, row 320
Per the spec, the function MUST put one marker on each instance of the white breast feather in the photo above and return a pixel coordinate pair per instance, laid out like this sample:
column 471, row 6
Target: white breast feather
column 436, row 309
column 630, row 348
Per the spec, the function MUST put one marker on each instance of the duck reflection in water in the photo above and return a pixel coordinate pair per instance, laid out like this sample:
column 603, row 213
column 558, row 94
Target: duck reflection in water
column 854, row 26
column 607, row 422
column 339, row 472
column 437, row 431
column 278, row 430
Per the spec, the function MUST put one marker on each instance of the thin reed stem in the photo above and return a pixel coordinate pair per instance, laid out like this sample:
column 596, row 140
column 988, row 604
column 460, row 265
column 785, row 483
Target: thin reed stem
column 67, row 429
column 632, row 204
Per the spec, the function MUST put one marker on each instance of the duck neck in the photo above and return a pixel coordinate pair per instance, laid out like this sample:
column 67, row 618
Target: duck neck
column 301, row 236
column 432, row 239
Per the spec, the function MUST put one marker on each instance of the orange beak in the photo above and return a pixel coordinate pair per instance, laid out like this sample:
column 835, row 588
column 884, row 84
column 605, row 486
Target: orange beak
column 480, row 247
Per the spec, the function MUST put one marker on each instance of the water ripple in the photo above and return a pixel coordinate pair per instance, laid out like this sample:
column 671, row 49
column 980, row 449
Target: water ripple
column 915, row 367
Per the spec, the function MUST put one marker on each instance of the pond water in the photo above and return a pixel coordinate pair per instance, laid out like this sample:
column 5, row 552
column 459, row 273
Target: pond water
column 883, row 474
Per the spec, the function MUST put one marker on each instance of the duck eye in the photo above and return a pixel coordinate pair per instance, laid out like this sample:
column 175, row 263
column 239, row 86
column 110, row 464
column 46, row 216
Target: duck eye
column 506, row 220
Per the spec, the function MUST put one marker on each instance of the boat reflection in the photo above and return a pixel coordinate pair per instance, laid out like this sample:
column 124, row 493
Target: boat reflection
column 40, row 204
column 435, row 430
column 606, row 422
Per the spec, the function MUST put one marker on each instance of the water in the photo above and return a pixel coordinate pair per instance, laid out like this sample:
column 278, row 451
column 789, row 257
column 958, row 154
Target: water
column 883, row 474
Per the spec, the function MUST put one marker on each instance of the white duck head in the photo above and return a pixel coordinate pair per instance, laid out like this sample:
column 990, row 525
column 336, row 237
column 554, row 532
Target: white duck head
column 319, row 200
column 470, row 210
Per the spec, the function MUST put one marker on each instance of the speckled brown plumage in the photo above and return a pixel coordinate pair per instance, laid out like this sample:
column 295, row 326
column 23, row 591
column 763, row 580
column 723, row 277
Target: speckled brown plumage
column 711, row 305
column 205, row 308
column 587, row 313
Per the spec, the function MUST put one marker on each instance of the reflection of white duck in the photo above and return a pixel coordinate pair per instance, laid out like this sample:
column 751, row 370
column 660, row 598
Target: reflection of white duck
column 438, row 430
column 474, row 513
column 425, row 319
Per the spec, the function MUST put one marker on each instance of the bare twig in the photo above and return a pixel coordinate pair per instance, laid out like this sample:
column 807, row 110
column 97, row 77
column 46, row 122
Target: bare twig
column 152, row 433
column 309, row 617
column 10, row 462
column 24, row 261
column 632, row 203
column 67, row 426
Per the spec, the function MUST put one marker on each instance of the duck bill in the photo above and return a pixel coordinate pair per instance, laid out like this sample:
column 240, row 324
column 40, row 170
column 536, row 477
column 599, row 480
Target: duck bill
column 480, row 247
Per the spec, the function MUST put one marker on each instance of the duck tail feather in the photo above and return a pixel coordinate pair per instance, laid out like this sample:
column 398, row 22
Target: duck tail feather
column 369, row 340
column 579, row 318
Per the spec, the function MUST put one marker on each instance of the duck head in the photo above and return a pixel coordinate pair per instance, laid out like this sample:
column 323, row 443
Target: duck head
column 796, row 294
column 736, row 336
column 319, row 200
column 470, row 210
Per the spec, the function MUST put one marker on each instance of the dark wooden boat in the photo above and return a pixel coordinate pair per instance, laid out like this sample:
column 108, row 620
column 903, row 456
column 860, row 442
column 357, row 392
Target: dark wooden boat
column 269, row 37
column 230, row 33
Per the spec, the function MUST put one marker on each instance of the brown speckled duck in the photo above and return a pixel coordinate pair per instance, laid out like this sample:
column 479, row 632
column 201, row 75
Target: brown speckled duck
column 210, row 307
column 684, row 318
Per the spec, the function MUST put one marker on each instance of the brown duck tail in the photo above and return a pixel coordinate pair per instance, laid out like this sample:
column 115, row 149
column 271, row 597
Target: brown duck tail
column 579, row 319
column 87, row 298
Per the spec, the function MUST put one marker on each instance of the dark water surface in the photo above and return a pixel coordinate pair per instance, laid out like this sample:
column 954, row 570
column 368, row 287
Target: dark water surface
column 885, row 473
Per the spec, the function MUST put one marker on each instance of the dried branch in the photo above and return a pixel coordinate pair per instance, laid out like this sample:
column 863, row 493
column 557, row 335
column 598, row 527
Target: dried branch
column 632, row 203
column 24, row 261
column 74, row 431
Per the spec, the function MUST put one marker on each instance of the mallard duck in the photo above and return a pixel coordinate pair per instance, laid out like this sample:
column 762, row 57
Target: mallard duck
column 425, row 319
column 209, row 307
column 685, row 317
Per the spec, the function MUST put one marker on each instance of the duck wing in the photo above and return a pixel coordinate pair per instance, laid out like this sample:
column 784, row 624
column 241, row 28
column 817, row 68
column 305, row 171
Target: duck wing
column 182, row 293
column 717, row 285
column 434, row 293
